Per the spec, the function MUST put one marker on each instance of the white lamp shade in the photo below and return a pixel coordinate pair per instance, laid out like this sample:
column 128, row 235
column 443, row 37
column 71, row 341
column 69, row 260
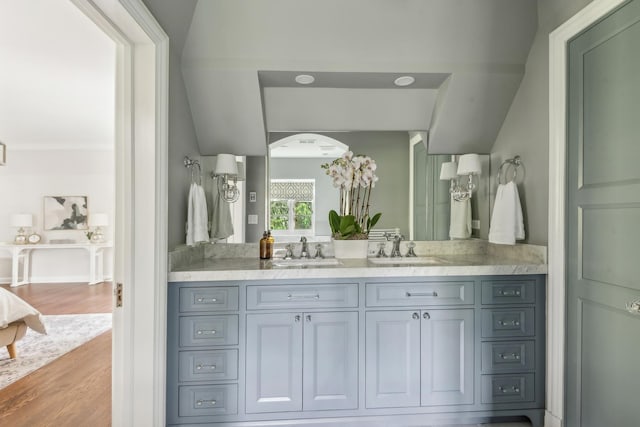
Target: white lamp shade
column 469, row 164
column 226, row 165
column 98, row 220
column 448, row 170
column 21, row 220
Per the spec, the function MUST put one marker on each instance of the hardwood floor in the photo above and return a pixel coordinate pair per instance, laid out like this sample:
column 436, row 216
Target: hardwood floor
column 74, row 390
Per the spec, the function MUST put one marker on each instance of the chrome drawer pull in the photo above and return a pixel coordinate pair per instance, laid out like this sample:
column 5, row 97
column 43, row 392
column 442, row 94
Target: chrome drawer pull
column 509, row 323
column 512, row 390
column 212, row 367
column 204, row 402
column 512, row 356
column 633, row 307
column 207, row 300
column 211, row 332
column 422, row 294
column 315, row 296
column 511, row 293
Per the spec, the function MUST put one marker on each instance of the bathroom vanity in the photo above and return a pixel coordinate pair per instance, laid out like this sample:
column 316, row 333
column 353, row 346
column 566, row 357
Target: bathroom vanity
column 356, row 344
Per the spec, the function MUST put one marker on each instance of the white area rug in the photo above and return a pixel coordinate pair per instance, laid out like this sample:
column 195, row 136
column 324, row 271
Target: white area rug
column 64, row 333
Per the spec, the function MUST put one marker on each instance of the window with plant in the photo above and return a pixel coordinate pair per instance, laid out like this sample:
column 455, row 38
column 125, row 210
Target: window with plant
column 291, row 209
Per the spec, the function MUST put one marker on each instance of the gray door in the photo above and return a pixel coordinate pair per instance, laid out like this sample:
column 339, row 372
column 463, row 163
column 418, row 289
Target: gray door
column 330, row 372
column 392, row 359
column 274, row 362
column 447, row 357
column 603, row 223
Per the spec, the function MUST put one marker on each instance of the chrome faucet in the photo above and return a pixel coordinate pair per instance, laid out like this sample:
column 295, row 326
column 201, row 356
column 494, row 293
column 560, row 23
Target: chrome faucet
column 395, row 251
column 304, row 252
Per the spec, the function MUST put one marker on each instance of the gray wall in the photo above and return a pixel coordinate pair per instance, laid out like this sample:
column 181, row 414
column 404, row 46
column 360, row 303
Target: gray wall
column 256, row 173
column 525, row 131
column 182, row 142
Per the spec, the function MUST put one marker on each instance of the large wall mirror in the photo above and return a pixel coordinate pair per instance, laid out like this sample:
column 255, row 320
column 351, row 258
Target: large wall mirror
column 409, row 193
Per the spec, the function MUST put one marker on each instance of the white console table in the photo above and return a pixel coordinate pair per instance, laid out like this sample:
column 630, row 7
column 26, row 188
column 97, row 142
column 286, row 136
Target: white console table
column 21, row 254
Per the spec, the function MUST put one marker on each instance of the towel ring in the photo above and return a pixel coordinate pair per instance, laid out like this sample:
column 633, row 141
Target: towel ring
column 504, row 168
column 190, row 164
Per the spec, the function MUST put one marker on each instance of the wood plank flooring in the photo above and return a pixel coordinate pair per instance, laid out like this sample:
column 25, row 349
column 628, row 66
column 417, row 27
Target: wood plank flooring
column 74, row 390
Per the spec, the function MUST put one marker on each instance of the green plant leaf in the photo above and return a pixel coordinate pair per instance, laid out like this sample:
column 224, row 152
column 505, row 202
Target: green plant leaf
column 334, row 221
column 371, row 222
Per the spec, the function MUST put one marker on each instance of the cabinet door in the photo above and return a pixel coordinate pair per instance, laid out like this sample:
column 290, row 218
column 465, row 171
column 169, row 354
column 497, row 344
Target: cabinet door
column 392, row 359
column 274, row 362
column 447, row 357
column 330, row 372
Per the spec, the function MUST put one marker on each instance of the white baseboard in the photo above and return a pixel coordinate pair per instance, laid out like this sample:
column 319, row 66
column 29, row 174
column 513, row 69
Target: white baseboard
column 53, row 279
column 551, row 420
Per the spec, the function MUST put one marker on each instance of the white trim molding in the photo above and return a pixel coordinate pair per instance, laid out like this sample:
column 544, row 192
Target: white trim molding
column 139, row 326
column 556, row 303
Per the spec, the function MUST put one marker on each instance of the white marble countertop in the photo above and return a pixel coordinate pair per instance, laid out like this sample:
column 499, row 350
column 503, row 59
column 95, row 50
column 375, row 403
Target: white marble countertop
column 219, row 269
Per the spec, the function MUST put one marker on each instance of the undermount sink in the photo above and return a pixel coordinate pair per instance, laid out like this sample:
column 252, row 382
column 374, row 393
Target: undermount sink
column 408, row 260
column 303, row 262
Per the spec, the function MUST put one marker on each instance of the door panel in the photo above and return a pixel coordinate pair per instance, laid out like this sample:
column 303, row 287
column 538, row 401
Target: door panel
column 603, row 221
column 274, row 362
column 330, row 373
column 447, row 357
column 392, row 359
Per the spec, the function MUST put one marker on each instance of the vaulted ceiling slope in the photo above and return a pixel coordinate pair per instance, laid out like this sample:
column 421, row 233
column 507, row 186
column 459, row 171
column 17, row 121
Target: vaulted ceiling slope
column 239, row 57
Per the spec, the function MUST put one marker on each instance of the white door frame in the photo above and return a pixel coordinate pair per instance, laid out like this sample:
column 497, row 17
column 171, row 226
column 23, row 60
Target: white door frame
column 556, row 303
column 139, row 326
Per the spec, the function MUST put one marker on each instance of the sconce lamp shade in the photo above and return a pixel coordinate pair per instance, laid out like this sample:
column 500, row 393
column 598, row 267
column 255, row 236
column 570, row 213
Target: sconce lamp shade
column 448, row 170
column 98, row 220
column 469, row 164
column 226, row 165
column 21, row 220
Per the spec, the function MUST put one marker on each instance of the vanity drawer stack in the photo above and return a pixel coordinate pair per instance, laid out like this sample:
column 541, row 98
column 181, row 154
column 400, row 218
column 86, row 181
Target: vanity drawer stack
column 203, row 339
column 512, row 342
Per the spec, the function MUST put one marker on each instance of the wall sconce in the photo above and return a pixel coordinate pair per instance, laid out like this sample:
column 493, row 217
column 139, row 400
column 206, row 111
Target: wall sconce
column 20, row 221
column 98, row 220
column 226, row 172
column 469, row 164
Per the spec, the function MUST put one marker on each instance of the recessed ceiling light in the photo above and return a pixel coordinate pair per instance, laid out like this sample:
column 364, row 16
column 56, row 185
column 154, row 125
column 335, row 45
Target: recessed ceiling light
column 305, row 79
column 404, row 81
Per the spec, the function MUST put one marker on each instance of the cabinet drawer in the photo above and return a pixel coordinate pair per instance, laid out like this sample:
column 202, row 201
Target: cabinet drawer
column 515, row 322
column 212, row 365
column 509, row 292
column 508, row 388
column 208, row 299
column 419, row 293
column 208, row 330
column 500, row 357
column 208, row 400
column 302, row 296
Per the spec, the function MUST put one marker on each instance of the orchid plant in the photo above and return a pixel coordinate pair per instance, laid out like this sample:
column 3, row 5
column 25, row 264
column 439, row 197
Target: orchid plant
column 355, row 177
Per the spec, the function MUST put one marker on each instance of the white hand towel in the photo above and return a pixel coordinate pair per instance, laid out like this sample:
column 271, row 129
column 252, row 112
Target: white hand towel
column 460, row 226
column 506, row 220
column 221, row 224
column 196, row 216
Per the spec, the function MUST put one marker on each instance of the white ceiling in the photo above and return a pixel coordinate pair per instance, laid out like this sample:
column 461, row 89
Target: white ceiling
column 240, row 57
column 57, row 78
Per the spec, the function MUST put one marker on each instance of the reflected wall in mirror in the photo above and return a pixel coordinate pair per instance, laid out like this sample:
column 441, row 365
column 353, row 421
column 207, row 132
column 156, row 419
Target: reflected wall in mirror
column 409, row 193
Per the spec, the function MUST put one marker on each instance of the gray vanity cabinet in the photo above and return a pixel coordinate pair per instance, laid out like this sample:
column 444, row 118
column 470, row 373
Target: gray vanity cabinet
column 392, row 351
column 302, row 361
column 419, row 357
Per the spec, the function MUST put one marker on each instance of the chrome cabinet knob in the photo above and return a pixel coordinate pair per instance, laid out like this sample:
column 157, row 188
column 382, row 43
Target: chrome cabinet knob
column 415, row 316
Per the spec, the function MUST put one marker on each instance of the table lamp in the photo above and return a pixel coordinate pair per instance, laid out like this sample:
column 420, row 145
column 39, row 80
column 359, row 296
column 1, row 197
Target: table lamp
column 98, row 220
column 21, row 221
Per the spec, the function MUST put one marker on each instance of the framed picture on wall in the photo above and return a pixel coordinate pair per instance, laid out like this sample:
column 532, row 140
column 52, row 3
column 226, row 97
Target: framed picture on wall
column 3, row 154
column 65, row 213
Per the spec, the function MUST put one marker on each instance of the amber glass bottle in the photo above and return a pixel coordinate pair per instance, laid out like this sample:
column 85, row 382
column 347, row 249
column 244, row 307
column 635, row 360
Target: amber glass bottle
column 270, row 241
column 264, row 251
